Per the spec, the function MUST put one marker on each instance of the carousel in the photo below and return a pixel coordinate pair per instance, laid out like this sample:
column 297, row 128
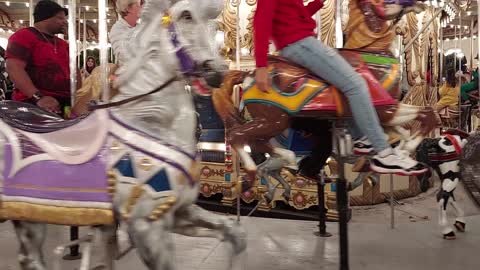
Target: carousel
column 154, row 183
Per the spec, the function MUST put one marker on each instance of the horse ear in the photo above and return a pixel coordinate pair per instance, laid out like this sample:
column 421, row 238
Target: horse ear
column 211, row 9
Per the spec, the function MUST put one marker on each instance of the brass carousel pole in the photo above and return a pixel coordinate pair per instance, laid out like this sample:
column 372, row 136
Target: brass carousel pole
column 322, row 211
column 455, row 46
column 72, row 52
column 237, row 99
column 84, row 41
column 478, row 40
column 441, row 54
column 102, row 42
column 471, row 45
column 341, row 183
column 30, row 13
column 460, row 126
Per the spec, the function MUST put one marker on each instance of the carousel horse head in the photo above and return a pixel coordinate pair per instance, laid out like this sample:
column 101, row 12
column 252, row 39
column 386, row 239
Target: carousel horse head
column 393, row 9
column 177, row 43
column 191, row 24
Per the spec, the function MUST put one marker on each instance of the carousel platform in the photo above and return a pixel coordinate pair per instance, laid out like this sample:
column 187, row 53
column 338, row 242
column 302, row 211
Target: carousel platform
column 287, row 244
column 415, row 243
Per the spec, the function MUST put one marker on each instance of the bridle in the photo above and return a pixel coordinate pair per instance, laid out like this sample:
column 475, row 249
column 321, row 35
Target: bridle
column 188, row 67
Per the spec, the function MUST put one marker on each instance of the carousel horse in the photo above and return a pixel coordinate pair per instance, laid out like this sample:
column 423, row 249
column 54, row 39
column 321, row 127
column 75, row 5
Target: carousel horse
column 443, row 155
column 132, row 160
column 297, row 93
column 92, row 90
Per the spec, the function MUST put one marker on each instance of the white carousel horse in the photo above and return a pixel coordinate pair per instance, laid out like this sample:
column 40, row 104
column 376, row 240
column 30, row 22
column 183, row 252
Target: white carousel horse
column 138, row 158
column 443, row 155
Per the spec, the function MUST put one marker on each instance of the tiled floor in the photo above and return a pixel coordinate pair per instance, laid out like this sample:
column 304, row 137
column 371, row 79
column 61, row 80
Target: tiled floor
column 288, row 244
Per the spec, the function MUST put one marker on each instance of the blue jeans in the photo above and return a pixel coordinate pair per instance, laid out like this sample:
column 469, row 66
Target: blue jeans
column 327, row 63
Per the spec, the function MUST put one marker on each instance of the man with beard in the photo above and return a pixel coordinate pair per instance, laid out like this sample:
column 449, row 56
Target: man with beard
column 38, row 61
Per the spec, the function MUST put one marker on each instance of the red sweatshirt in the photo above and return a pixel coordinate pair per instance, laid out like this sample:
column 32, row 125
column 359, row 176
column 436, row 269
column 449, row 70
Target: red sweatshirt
column 283, row 21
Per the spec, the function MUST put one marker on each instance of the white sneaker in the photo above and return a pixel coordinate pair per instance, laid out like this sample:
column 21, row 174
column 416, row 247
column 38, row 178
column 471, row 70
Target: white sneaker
column 397, row 163
column 362, row 146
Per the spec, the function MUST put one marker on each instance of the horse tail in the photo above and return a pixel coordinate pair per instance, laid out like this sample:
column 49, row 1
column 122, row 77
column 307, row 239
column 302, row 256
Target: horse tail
column 222, row 98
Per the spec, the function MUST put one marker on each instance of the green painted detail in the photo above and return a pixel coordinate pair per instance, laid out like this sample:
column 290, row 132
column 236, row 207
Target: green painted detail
column 264, row 101
column 378, row 59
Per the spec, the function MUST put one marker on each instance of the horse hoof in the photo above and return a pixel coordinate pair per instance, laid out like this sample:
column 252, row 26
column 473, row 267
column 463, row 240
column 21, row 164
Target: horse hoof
column 449, row 236
column 268, row 198
column 460, row 226
column 246, row 185
column 70, row 257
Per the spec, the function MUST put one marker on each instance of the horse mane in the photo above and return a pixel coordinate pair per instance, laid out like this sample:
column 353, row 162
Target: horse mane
column 222, row 98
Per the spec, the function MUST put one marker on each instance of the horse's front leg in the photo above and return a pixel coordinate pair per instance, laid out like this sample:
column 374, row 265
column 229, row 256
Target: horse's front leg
column 153, row 241
column 31, row 237
column 272, row 167
column 444, row 197
column 399, row 115
column 222, row 226
column 460, row 222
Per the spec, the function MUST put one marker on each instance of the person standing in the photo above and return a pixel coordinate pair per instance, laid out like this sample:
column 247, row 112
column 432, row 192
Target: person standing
column 37, row 61
column 122, row 31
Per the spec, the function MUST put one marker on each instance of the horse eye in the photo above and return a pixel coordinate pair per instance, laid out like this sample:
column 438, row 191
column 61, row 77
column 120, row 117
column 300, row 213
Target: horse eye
column 186, row 15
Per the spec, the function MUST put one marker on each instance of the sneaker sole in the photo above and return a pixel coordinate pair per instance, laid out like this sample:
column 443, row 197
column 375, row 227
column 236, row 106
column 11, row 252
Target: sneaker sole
column 292, row 167
column 362, row 152
column 396, row 171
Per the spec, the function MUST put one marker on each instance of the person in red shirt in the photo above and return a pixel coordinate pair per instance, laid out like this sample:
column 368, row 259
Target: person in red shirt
column 290, row 25
column 38, row 61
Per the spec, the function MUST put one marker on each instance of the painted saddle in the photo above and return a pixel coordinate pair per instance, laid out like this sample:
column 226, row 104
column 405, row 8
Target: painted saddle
column 54, row 170
column 299, row 92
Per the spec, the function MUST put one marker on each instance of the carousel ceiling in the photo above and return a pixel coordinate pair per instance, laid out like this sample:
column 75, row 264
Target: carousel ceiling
column 458, row 18
column 14, row 14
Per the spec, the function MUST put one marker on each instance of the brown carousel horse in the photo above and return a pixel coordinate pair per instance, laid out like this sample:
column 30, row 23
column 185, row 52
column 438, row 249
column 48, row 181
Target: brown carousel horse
column 91, row 91
column 297, row 93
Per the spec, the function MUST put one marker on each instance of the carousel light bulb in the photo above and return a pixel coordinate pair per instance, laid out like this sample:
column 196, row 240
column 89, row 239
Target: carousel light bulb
column 7, row 4
column 108, row 20
column 27, row 4
column 21, row 21
column 81, row 20
column 447, row 39
column 87, row 8
column 94, row 21
column 465, row 26
column 469, row 13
